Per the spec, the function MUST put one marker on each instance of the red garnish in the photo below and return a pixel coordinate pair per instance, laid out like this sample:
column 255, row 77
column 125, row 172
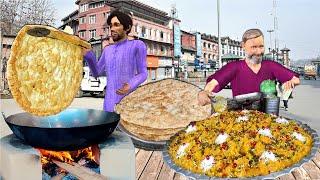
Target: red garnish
column 224, row 146
column 253, row 143
column 234, row 165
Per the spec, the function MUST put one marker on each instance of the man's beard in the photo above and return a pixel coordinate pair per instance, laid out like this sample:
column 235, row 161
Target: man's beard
column 255, row 59
column 117, row 37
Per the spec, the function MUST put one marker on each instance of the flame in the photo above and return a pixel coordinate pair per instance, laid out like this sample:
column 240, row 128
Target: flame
column 66, row 156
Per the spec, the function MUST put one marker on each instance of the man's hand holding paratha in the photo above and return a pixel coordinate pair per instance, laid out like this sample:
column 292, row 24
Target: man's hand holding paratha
column 85, row 51
column 124, row 90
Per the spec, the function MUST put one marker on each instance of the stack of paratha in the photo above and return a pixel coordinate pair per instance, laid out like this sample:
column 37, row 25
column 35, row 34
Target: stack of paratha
column 158, row 110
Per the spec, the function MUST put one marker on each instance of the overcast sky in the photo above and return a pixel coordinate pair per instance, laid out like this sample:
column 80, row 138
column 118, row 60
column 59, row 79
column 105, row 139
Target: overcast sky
column 298, row 20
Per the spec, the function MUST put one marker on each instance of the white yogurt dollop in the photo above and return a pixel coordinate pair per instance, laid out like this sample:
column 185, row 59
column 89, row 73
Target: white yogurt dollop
column 242, row 118
column 268, row 156
column 221, row 138
column 206, row 164
column 265, row 132
column 282, row 120
column 181, row 151
column 298, row 136
column 191, row 128
column 215, row 114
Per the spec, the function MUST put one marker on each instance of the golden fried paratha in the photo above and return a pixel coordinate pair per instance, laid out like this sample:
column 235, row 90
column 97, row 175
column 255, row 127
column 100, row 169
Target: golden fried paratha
column 44, row 73
column 147, row 130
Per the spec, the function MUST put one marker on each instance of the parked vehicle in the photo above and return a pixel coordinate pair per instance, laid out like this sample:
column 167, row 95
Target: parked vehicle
column 92, row 85
column 310, row 71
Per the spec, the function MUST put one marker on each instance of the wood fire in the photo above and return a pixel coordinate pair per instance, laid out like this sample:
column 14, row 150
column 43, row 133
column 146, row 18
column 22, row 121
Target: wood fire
column 60, row 163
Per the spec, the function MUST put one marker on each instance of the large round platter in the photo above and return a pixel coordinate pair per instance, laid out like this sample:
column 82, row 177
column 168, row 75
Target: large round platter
column 274, row 175
column 143, row 144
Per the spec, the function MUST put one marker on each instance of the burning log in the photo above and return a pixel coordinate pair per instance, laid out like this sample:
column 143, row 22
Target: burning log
column 80, row 172
column 87, row 158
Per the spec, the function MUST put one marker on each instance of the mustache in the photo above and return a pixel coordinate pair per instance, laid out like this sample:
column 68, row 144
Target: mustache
column 255, row 55
column 255, row 59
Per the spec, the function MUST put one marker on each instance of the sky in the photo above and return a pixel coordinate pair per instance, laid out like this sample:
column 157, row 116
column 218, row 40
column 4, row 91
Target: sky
column 298, row 20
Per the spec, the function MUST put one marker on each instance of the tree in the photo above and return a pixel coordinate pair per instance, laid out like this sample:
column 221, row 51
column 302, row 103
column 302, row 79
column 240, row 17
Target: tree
column 17, row 13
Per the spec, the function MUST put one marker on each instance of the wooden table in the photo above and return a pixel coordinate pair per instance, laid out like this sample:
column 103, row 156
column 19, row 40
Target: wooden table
column 150, row 165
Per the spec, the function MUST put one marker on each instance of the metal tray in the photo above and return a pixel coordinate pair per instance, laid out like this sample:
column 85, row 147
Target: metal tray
column 143, row 144
column 274, row 175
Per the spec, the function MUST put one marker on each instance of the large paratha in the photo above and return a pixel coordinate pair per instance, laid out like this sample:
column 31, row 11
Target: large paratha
column 44, row 74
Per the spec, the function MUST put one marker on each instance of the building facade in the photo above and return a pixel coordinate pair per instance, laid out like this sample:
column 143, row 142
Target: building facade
column 230, row 46
column 6, row 43
column 150, row 25
column 188, row 51
column 210, row 50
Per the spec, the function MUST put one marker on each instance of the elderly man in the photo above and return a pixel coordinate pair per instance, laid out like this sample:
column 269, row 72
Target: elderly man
column 246, row 75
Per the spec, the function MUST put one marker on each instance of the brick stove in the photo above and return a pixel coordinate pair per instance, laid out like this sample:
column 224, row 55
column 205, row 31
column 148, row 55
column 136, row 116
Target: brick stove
column 21, row 161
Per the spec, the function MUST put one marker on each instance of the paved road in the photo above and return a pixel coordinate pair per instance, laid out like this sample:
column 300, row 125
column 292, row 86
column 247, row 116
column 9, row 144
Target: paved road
column 305, row 105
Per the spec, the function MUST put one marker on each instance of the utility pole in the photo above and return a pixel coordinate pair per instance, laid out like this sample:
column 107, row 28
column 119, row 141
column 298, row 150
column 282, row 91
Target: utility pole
column 174, row 16
column 1, row 42
column 219, row 37
column 270, row 31
column 1, row 59
column 275, row 28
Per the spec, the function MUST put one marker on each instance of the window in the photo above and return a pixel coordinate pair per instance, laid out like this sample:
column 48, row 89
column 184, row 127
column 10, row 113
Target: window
column 151, row 49
column 163, row 51
column 83, row 7
column 92, row 33
column 92, row 19
column 106, row 15
column 143, row 31
column 82, row 34
column 96, row 5
column 161, row 35
column 82, row 20
column 167, row 72
column 209, row 46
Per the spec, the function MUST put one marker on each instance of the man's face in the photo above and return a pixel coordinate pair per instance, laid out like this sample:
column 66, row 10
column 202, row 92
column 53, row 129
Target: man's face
column 117, row 30
column 254, row 49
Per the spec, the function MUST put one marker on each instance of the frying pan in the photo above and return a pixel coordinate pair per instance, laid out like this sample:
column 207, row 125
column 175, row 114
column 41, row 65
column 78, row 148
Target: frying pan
column 71, row 129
